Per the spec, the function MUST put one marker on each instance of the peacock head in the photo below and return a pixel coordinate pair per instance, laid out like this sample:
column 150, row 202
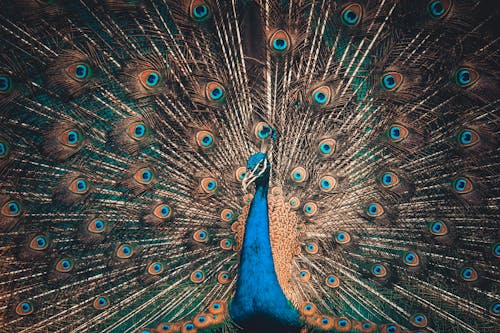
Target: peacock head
column 258, row 168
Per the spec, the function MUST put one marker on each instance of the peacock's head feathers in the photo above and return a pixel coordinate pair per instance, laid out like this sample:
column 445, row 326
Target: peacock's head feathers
column 258, row 167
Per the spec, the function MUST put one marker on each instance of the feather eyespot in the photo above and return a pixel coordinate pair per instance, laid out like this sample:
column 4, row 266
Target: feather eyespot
column 215, row 92
column 201, row 236
column 391, row 81
column 280, row 41
column 65, row 265
column 419, row 320
column 439, row 8
column 462, row 185
column 465, row 77
column 495, row 309
column 39, row 243
column 4, row 148
column 217, row 307
column 223, row 277
column 325, row 322
column 240, row 174
column 332, row 281
column 124, row 251
column 227, row 215
column 226, row 244
column 208, row 185
column 263, row 131
column 197, row 276
column 390, row 328
column 11, row 208
column 199, row 10
column 438, row 228
column 155, row 268
column 379, row 270
column 5, row 84
column 144, row 176
column 343, row 238
column 205, row 139
column 71, row 138
column 304, row 275
column 366, row 327
column 79, row 186
column 327, row 183
column 202, row 321
column 308, row 309
column 411, row 259
column 374, row 210
column 79, row 72
column 294, row 203
column 299, row 175
column 101, row 303
column 397, row 133
column 495, row 250
column 311, row 248
column 326, row 147
column 342, row 324
column 389, row 179
column 137, row 131
column 150, row 79
column 322, row 95
column 351, row 15
column 468, row 274
column 310, row 209
column 162, row 211
column 468, row 138
column 97, row 226
column 24, row 308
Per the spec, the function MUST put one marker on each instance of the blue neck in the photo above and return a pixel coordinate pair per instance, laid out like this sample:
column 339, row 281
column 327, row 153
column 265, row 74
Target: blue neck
column 259, row 298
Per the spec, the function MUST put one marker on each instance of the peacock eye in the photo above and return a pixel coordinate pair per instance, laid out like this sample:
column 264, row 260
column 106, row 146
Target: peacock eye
column 226, row 244
column 155, row 268
column 144, row 176
column 398, row 133
column 391, row 81
column 495, row 309
column 322, row 95
column 79, row 186
column 304, row 275
column 308, row 309
column 197, row 276
column 137, row 131
column 325, row 323
column 326, row 147
column 374, row 210
column 462, row 185
column 366, row 325
column 4, row 148
column 200, row 236
column 311, row 248
column 280, row 41
column 332, row 281
column 342, row 324
column 208, row 185
column 5, row 84
column 439, row 8
column 327, row 183
column 11, row 208
column 391, row 329
column 124, row 251
column 495, row 249
column 468, row 137
column 101, row 303
column 351, row 14
column 162, row 211
column 343, row 237
column 299, row 175
column 97, row 226
column 240, row 173
column 438, row 228
column 389, row 179
column 150, row 78
column 39, row 243
column 199, row 10
column 223, row 277
column 24, row 308
column 468, row 274
column 71, row 138
column 79, row 72
column 411, row 259
column 64, row 265
column 310, row 209
column 466, row 77
column 294, row 203
column 205, row 139
column 379, row 270
column 262, row 130
column 215, row 92
column 419, row 320
column 227, row 215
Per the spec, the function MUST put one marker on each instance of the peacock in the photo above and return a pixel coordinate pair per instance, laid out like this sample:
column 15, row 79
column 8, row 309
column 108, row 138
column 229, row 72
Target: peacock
column 249, row 166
